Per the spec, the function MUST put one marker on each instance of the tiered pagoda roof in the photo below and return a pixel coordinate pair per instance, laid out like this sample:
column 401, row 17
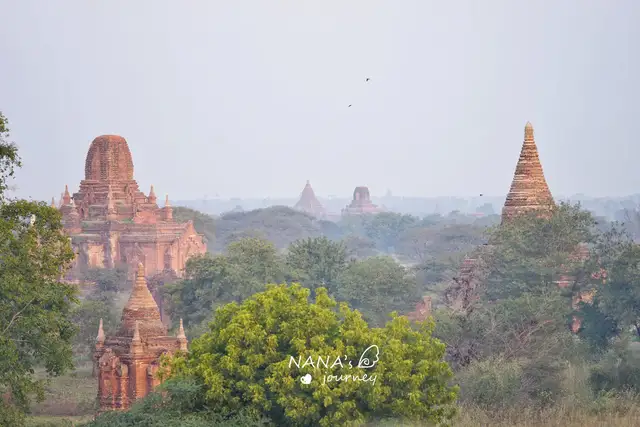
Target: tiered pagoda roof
column 529, row 190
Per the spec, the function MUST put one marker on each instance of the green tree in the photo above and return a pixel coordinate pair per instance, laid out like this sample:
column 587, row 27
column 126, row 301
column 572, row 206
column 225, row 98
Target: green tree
column 377, row 286
column 244, row 362
column 618, row 297
column 385, row 228
column 316, row 262
column 259, row 259
column 95, row 306
column 212, row 280
column 203, row 223
column 108, row 279
column 9, row 159
column 530, row 252
column 359, row 247
column 35, row 329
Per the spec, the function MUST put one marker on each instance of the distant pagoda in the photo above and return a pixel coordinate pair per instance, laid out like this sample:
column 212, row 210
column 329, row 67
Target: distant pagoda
column 309, row 202
column 361, row 203
column 529, row 190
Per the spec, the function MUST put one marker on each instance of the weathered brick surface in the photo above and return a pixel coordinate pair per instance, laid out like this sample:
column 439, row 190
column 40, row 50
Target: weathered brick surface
column 127, row 364
column 111, row 222
column 529, row 190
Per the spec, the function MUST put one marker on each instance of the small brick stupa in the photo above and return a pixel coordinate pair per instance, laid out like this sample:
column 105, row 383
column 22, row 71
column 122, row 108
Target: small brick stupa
column 111, row 222
column 361, row 203
column 422, row 311
column 309, row 203
column 529, row 190
column 127, row 364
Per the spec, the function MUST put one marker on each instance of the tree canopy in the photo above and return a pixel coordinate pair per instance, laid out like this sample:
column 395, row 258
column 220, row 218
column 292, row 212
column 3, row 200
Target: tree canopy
column 244, row 361
column 35, row 327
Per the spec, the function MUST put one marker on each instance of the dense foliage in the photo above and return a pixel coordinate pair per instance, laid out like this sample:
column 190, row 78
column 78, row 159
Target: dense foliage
column 35, row 327
column 243, row 361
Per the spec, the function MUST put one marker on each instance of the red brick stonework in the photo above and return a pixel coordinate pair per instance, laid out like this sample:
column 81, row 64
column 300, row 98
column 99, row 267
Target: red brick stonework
column 127, row 364
column 529, row 190
column 111, row 222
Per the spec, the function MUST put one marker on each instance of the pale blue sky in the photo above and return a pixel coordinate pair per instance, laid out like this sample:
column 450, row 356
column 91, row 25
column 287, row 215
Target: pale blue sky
column 249, row 98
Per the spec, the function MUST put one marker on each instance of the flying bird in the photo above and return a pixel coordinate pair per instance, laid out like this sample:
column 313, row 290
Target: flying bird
column 349, row 105
column 367, row 79
column 480, row 194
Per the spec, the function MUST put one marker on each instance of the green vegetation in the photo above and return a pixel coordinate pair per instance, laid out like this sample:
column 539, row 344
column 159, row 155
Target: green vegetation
column 507, row 358
column 35, row 324
column 243, row 364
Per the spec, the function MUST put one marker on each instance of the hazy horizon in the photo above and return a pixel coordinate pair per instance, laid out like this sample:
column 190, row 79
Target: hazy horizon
column 252, row 100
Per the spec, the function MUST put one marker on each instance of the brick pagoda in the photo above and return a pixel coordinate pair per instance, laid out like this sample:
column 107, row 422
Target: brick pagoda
column 361, row 203
column 127, row 364
column 529, row 190
column 111, row 222
column 309, row 202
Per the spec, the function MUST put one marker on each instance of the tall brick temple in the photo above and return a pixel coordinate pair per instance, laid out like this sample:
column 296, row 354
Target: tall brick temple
column 127, row 363
column 111, row 222
column 309, row 203
column 529, row 190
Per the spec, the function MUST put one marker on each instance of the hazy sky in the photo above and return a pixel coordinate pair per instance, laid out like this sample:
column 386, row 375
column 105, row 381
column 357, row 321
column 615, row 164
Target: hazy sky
column 250, row 98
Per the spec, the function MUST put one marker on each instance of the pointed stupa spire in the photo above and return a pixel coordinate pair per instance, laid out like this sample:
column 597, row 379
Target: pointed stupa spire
column 142, row 308
column 53, row 202
column 168, row 210
column 309, row 202
column 152, row 195
column 181, row 333
column 182, row 337
column 529, row 190
column 136, row 332
column 66, row 197
column 101, row 337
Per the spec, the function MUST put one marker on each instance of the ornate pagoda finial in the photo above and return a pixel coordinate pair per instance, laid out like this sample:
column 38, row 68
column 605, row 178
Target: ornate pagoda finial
column 528, row 132
column 181, row 333
column 152, row 195
column 66, row 198
column 136, row 342
column 53, row 202
column 182, row 337
column 140, row 275
column 168, row 210
column 101, row 337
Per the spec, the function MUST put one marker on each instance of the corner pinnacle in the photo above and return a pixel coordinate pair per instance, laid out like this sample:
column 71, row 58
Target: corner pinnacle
column 181, row 333
column 100, row 338
column 136, row 334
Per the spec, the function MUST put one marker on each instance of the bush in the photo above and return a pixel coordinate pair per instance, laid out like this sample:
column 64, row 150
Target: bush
column 244, row 361
column 175, row 404
column 492, row 384
column 618, row 370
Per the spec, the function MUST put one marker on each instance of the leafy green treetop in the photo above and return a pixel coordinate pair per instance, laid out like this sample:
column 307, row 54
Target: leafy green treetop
column 35, row 328
column 244, row 361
